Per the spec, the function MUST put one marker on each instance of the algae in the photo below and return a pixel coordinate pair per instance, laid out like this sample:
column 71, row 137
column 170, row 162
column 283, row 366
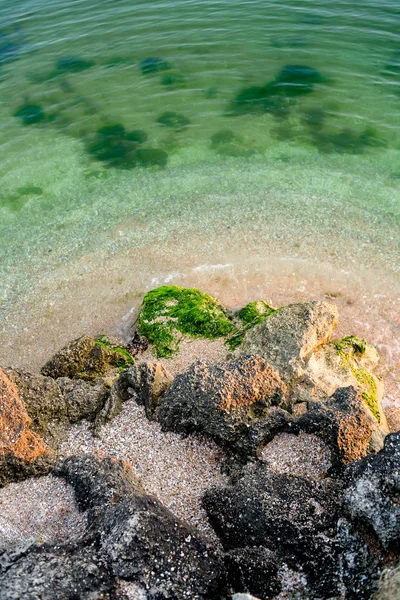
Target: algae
column 170, row 312
column 250, row 315
column 350, row 349
column 123, row 358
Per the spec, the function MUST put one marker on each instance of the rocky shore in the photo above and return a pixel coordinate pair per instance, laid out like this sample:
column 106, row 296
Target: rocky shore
column 262, row 467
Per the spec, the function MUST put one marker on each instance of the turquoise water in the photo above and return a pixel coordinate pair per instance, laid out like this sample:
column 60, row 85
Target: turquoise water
column 305, row 167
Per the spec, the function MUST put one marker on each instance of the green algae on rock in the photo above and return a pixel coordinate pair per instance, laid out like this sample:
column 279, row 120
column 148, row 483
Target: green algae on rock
column 170, row 312
column 122, row 359
column 250, row 315
column 353, row 352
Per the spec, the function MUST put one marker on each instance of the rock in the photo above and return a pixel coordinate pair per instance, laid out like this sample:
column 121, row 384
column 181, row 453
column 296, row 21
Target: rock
column 62, row 572
column 279, row 511
column 345, row 425
column 254, row 570
column 372, row 495
column 222, row 400
column 389, row 585
column 288, row 337
column 43, row 400
column 86, row 358
column 22, row 452
column 83, row 399
column 244, row 597
column 70, row 361
column 139, row 539
column 349, row 361
column 146, row 382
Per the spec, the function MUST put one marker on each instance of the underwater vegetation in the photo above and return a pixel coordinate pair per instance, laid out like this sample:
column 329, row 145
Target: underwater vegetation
column 211, row 92
column 153, row 65
column 174, row 80
column 30, row 114
column 174, row 120
column 228, row 143
column 12, row 44
column 347, row 141
column 14, row 202
column 72, row 64
column 292, row 81
column 116, row 147
column 392, row 68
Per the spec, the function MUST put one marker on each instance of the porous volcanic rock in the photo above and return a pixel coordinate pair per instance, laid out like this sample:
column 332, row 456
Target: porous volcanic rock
column 62, row 572
column 372, row 496
column 83, row 399
column 22, row 452
column 254, row 570
column 222, row 400
column 139, row 539
column 345, row 424
column 287, row 338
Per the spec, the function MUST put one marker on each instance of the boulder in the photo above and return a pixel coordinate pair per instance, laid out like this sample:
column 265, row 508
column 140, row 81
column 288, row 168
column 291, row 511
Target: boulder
column 288, row 337
column 222, row 400
column 254, row 570
column 71, row 359
column 345, row 424
column 62, row 572
column 83, row 400
column 372, row 494
column 87, row 358
column 22, row 452
column 389, row 585
column 264, row 508
column 139, row 539
column 146, row 382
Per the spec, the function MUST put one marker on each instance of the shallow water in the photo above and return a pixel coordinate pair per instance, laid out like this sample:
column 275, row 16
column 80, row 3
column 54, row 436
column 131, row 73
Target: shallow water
column 302, row 200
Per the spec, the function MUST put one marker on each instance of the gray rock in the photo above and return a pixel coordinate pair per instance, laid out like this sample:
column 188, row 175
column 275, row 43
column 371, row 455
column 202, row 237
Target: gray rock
column 83, row 399
column 287, row 338
column 254, row 570
column 372, row 495
column 222, row 400
column 46, row 573
column 244, row 597
column 389, row 585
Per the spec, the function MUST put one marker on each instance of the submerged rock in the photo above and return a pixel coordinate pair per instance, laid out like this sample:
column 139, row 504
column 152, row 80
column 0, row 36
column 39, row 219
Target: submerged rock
column 152, row 157
column 23, row 453
column 73, row 64
column 174, row 120
column 153, row 65
column 288, row 337
column 222, row 400
column 30, row 114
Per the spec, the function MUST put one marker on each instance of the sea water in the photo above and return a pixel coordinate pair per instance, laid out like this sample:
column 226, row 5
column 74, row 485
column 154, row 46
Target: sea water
column 285, row 195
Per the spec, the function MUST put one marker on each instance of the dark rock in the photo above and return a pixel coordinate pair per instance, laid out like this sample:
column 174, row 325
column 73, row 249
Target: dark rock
column 253, row 570
column 47, row 573
column 372, row 495
column 140, row 540
column 343, row 423
column 260, row 433
column 222, row 400
column 72, row 64
column 30, row 114
column 280, row 511
column 297, row 80
column 153, row 65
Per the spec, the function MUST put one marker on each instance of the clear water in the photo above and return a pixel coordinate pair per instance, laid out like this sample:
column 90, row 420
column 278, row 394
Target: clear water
column 315, row 179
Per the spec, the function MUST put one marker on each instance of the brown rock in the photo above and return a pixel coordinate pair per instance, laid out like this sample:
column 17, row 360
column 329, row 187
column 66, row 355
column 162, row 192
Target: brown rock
column 69, row 361
column 22, row 452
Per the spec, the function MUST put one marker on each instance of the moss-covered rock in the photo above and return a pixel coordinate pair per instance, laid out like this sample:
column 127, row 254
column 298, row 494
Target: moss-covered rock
column 170, row 312
column 250, row 315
